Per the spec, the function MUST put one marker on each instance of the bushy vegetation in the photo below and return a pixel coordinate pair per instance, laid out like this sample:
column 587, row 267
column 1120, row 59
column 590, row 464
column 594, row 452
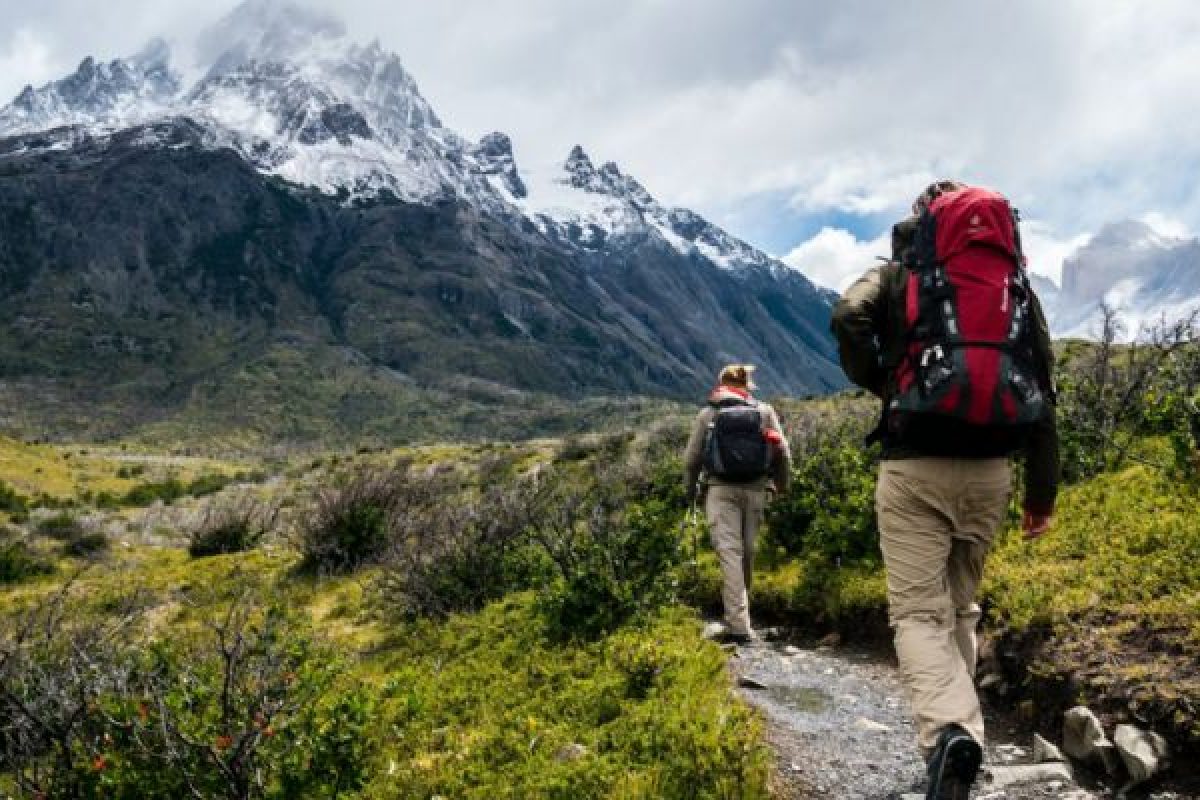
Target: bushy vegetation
column 18, row 561
column 233, row 525
column 642, row 713
column 248, row 708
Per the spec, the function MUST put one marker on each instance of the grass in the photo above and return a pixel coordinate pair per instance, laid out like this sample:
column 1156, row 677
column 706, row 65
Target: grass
column 482, row 705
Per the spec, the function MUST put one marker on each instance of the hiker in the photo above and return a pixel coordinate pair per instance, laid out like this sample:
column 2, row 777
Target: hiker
column 950, row 336
column 736, row 456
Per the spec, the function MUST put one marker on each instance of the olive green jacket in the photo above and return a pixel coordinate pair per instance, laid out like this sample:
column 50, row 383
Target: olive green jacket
column 869, row 325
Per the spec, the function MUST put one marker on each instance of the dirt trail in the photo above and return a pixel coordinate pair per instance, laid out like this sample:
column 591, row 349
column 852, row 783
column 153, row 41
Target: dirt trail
column 840, row 728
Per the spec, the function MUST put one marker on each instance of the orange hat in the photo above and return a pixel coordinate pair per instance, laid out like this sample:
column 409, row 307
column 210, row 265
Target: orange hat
column 739, row 376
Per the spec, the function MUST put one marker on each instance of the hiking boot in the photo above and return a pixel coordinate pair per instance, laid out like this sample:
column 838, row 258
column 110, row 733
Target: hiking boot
column 953, row 765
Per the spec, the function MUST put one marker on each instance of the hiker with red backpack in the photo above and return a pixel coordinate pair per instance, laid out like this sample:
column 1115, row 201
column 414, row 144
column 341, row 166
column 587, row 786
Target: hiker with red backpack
column 736, row 455
column 950, row 336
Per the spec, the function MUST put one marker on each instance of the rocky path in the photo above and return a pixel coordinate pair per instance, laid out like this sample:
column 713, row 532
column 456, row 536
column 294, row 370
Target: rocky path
column 840, row 729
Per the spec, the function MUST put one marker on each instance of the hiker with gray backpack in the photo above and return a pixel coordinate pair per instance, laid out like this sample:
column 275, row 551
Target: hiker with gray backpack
column 736, row 457
column 950, row 336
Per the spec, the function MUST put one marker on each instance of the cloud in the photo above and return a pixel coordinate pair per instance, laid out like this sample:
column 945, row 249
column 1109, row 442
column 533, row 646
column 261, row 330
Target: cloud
column 1046, row 248
column 27, row 55
column 835, row 258
column 832, row 107
column 1167, row 225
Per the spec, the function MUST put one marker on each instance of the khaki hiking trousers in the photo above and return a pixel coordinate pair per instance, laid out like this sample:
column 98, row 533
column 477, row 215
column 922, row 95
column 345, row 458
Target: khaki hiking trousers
column 734, row 516
column 937, row 519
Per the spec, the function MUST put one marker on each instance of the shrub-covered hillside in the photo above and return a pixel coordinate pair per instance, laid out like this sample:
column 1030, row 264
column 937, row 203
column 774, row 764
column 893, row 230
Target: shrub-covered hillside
column 497, row 621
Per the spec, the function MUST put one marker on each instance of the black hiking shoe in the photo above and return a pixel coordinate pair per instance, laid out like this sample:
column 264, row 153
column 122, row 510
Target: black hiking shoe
column 953, row 765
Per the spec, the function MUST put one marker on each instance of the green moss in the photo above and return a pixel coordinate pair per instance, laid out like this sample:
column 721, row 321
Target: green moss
column 1124, row 539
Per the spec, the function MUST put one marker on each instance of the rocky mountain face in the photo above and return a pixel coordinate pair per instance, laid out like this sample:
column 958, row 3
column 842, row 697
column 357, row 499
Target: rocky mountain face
column 299, row 214
column 1146, row 276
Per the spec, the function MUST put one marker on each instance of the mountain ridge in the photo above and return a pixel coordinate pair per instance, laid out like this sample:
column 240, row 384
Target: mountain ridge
column 274, row 210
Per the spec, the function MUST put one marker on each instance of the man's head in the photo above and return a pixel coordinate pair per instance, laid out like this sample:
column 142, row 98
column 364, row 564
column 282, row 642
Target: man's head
column 932, row 191
column 737, row 376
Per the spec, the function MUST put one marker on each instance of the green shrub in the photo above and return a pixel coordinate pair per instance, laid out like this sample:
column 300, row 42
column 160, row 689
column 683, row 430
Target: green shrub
column 615, row 557
column 351, row 525
column 12, row 501
column 146, row 494
column 253, row 709
column 485, row 705
column 64, row 527
column 19, row 562
column 204, row 485
column 458, row 553
column 829, row 513
column 233, row 526
column 87, row 545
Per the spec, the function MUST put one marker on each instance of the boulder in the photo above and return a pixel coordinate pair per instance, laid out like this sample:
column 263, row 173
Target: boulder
column 998, row 777
column 1044, row 752
column 1084, row 740
column 1144, row 752
column 570, row 752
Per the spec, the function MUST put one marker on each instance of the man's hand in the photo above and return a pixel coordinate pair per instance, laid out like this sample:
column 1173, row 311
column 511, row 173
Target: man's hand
column 1035, row 525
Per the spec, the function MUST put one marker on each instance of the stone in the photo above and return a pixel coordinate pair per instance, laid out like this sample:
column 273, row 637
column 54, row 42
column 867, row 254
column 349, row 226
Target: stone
column 870, row 725
column 1084, row 740
column 713, row 630
column 831, row 640
column 1045, row 752
column 570, row 752
column 1144, row 752
column 1010, row 753
column 792, row 650
column 990, row 681
column 998, row 777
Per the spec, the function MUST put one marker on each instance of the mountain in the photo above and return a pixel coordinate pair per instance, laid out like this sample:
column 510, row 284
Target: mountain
column 1146, row 276
column 295, row 237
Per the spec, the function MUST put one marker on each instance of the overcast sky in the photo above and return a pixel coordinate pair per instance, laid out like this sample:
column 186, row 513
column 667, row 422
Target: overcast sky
column 804, row 127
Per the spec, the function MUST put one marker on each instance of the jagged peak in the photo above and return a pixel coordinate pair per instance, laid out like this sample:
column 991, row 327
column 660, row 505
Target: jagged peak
column 265, row 30
column 577, row 156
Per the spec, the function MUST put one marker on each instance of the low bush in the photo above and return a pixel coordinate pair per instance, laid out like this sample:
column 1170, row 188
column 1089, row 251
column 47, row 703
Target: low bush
column 63, row 527
column 232, row 526
column 18, row 561
column 614, row 554
column 87, row 544
column 252, row 709
column 204, row 485
column 828, row 516
column 12, row 501
column 351, row 525
column 459, row 555
column 146, row 494
column 485, row 705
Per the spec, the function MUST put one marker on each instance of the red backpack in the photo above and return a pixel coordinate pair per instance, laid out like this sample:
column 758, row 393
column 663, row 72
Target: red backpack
column 968, row 321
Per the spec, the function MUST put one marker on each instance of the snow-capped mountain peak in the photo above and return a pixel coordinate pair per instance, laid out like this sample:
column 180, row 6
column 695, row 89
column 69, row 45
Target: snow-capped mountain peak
column 111, row 93
column 266, row 31
column 284, row 87
column 1142, row 273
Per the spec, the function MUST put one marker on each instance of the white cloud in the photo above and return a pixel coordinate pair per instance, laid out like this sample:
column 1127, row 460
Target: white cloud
column 837, row 106
column 835, row 258
column 1167, row 225
column 1046, row 248
column 28, row 56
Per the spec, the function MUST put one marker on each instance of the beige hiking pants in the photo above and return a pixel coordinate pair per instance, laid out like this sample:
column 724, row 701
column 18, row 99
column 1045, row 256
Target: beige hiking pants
column 937, row 518
column 734, row 516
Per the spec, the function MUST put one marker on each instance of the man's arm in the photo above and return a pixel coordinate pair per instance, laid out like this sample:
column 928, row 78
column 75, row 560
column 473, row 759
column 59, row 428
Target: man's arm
column 857, row 323
column 693, row 455
column 781, row 466
column 1041, row 452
